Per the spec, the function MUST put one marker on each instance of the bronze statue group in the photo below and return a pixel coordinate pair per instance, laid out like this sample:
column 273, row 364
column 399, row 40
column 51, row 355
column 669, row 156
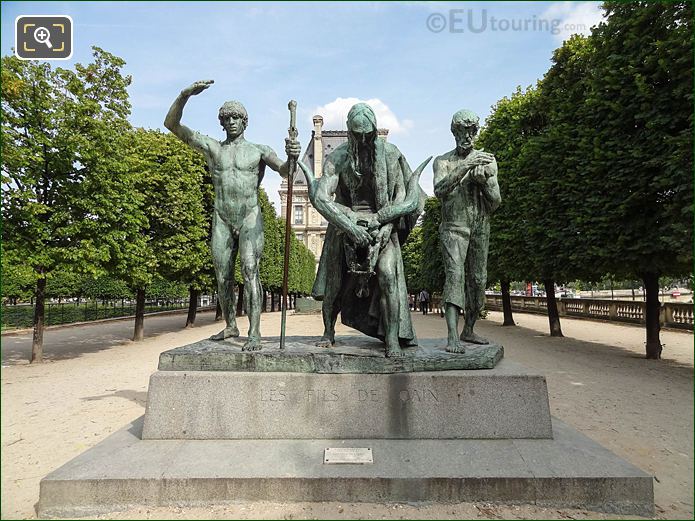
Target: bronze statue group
column 371, row 200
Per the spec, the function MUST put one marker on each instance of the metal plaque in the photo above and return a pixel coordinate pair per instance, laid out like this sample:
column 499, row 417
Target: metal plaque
column 347, row 455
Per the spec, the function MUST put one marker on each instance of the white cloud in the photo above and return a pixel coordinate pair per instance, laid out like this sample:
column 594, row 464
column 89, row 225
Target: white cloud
column 575, row 17
column 335, row 114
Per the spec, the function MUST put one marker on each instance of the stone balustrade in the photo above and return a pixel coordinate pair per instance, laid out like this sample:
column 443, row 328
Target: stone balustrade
column 673, row 314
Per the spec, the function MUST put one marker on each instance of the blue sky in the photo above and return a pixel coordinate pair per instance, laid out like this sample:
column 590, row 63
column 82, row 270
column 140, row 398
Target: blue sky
column 323, row 55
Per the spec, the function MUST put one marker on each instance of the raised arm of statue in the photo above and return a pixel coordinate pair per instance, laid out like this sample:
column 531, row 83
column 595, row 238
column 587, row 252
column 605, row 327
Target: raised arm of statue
column 172, row 121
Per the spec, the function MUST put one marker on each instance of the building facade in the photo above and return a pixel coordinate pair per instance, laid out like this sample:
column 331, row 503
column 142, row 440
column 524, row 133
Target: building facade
column 308, row 225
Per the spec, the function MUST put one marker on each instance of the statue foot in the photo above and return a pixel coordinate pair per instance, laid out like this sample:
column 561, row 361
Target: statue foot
column 325, row 341
column 455, row 347
column 472, row 338
column 252, row 344
column 227, row 332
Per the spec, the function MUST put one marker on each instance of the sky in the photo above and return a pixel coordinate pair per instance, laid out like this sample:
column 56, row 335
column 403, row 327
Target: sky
column 415, row 63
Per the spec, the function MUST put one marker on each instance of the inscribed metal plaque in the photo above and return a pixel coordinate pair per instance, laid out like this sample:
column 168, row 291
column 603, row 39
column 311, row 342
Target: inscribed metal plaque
column 343, row 455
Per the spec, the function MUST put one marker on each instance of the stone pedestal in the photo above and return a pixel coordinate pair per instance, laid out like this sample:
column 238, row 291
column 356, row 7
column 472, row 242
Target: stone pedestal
column 222, row 425
column 507, row 402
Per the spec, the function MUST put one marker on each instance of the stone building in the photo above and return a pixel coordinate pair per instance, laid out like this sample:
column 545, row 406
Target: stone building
column 308, row 225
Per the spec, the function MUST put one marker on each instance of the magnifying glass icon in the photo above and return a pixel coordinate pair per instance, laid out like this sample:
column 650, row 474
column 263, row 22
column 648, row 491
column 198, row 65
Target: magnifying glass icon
column 42, row 35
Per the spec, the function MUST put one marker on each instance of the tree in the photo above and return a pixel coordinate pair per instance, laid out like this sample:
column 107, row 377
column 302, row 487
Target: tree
column 62, row 184
column 639, row 201
column 432, row 265
column 512, row 123
column 412, row 253
column 271, row 262
column 169, row 178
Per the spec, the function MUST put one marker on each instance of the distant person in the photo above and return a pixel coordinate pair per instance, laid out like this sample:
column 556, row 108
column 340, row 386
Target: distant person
column 424, row 299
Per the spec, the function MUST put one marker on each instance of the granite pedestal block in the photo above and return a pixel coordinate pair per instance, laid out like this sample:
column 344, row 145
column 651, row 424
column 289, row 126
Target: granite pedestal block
column 125, row 471
column 502, row 403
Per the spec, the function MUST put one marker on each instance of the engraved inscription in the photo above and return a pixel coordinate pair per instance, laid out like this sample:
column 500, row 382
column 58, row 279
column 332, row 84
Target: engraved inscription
column 362, row 396
column 367, row 395
column 322, row 395
column 273, row 395
column 418, row 395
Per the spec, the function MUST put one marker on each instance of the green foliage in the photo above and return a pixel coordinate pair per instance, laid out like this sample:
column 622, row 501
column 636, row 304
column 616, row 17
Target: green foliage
column 273, row 230
column 62, row 283
column 167, row 290
column 18, row 279
column 639, row 108
column 431, row 262
column 595, row 163
column 63, row 200
column 412, row 253
column 105, row 288
column 174, row 192
column 514, row 121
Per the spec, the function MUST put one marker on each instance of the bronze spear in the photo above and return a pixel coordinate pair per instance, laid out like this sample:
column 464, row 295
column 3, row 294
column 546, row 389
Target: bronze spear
column 292, row 131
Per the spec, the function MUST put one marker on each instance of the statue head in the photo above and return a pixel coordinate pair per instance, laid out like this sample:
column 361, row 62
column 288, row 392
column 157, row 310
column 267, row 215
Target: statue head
column 362, row 134
column 464, row 127
column 233, row 118
column 361, row 124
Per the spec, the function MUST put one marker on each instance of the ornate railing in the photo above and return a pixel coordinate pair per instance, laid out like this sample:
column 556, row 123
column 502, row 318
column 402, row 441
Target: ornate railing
column 673, row 314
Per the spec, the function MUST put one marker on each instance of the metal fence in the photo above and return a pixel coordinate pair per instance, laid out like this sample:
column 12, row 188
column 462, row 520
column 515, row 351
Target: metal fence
column 672, row 314
column 22, row 315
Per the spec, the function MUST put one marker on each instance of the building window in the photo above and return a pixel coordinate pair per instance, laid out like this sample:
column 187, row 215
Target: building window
column 300, row 237
column 298, row 215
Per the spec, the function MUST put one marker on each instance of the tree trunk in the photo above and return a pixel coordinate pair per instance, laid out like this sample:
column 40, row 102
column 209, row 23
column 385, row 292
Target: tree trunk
column 553, row 315
column 39, row 316
column 218, row 311
column 139, row 332
column 507, row 304
column 240, row 301
column 192, row 306
column 653, row 307
column 272, row 301
column 265, row 301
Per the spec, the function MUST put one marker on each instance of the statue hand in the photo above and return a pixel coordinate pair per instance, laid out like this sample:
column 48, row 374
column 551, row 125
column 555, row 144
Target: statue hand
column 384, row 236
column 360, row 236
column 478, row 157
column 478, row 174
column 197, row 87
column 373, row 223
column 292, row 148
